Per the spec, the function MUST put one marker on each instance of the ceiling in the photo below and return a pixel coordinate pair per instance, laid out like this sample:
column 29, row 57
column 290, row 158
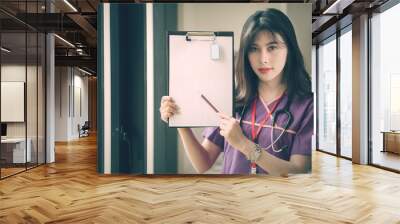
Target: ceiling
column 332, row 15
column 76, row 22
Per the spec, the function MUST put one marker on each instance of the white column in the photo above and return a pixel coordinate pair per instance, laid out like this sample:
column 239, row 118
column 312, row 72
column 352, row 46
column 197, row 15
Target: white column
column 360, row 90
column 50, row 93
column 50, row 101
column 150, row 89
column 107, row 88
column 314, row 90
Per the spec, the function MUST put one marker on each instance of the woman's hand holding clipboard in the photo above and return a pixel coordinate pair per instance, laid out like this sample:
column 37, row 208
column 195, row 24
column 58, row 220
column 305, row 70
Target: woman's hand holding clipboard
column 168, row 108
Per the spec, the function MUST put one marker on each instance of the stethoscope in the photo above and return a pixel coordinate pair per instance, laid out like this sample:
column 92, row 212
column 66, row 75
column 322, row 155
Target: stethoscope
column 276, row 114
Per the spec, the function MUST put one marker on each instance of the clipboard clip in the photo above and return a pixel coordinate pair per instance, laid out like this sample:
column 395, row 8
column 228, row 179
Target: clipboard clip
column 205, row 36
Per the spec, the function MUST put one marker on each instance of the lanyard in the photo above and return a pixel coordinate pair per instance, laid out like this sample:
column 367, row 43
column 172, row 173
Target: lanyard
column 254, row 133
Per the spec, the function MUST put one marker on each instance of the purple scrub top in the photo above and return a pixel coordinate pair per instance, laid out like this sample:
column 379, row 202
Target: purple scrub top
column 297, row 140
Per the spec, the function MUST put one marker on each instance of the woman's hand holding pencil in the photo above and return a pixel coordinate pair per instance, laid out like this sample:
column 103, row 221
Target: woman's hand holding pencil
column 229, row 128
column 233, row 134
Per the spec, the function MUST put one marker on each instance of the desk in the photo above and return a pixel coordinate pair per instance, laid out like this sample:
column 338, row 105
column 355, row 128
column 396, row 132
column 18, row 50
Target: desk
column 15, row 148
column 391, row 141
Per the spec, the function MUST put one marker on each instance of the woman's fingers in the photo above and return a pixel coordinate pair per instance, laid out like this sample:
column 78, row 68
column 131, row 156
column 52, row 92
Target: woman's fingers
column 166, row 98
column 169, row 114
column 223, row 123
column 226, row 117
column 173, row 108
column 223, row 126
column 168, row 111
column 169, row 103
column 226, row 121
column 166, row 115
column 168, row 108
column 223, row 116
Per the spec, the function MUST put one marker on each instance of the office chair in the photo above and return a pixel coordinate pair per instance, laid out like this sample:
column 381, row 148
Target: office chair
column 84, row 130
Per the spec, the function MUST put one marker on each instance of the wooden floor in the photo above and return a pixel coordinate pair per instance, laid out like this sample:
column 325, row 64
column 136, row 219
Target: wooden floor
column 10, row 171
column 387, row 159
column 70, row 191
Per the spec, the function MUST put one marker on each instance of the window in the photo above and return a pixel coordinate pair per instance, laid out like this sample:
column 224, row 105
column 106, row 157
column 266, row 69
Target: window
column 385, row 85
column 327, row 95
column 346, row 92
column 22, row 77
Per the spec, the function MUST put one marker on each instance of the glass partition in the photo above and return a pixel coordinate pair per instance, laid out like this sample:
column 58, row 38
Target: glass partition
column 22, row 77
column 13, row 108
column 385, row 89
column 31, row 99
column 41, row 89
column 346, row 92
column 327, row 95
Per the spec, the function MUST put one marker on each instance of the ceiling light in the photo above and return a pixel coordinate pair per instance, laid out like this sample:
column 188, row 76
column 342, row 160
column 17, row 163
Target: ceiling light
column 338, row 6
column 65, row 41
column 332, row 8
column 70, row 5
column 5, row 50
column 84, row 71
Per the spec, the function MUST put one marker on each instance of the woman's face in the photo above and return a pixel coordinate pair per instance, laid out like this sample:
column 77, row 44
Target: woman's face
column 267, row 56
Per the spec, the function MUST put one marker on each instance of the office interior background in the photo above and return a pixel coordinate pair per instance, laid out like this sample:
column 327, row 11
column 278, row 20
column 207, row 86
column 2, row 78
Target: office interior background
column 49, row 87
column 48, row 83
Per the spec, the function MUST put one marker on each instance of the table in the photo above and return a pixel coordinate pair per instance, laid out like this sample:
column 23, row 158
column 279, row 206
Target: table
column 391, row 141
column 13, row 150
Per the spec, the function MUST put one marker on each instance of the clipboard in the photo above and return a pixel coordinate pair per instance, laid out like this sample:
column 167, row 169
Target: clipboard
column 200, row 76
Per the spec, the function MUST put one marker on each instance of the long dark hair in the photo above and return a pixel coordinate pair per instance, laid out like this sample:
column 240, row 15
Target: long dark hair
column 295, row 76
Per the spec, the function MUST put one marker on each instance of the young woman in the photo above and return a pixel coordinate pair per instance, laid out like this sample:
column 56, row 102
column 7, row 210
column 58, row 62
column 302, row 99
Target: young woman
column 274, row 120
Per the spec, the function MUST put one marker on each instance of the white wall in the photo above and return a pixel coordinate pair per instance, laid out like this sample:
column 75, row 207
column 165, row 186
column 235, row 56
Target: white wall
column 219, row 16
column 80, row 82
column 10, row 73
column 68, row 81
column 13, row 72
column 33, row 127
column 61, row 103
column 16, row 72
column 300, row 16
column 231, row 17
